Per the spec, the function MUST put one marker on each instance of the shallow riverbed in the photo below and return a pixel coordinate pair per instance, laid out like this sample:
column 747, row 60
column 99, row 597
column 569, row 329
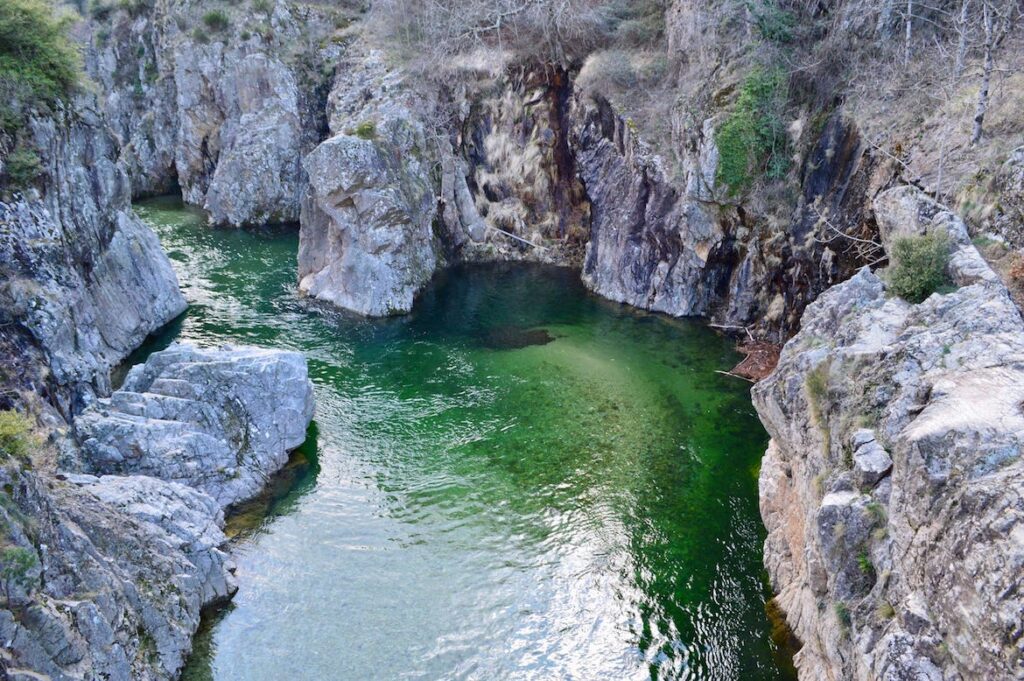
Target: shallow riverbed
column 517, row 481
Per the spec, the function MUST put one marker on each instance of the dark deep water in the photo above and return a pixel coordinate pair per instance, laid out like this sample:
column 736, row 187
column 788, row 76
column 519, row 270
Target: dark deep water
column 517, row 481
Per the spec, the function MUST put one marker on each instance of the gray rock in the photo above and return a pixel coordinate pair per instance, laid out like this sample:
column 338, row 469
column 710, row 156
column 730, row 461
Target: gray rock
column 191, row 519
column 84, row 276
column 649, row 243
column 202, row 418
column 125, row 566
column 366, row 241
column 941, row 383
column 871, row 463
column 226, row 118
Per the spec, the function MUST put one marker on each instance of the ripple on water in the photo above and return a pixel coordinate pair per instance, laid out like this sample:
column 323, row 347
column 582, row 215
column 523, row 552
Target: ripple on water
column 517, row 481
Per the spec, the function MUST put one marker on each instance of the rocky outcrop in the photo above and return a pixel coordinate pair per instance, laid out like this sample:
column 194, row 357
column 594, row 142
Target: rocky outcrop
column 893, row 486
column 366, row 241
column 202, row 418
column 225, row 111
column 117, row 573
column 84, row 277
column 115, row 569
column 651, row 245
column 513, row 150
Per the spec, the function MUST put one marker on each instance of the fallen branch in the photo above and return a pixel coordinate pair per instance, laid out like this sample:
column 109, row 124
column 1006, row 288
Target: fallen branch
column 729, row 373
column 733, row 326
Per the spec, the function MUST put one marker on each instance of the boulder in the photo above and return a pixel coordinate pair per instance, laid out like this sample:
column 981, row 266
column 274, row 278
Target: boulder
column 203, row 418
column 366, row 240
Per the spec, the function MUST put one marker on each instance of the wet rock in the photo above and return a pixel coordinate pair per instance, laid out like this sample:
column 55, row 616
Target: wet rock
column 202, row 418
column 514, row 337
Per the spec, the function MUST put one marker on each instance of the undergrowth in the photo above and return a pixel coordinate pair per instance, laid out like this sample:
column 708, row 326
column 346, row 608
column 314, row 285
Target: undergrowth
column 752, row 141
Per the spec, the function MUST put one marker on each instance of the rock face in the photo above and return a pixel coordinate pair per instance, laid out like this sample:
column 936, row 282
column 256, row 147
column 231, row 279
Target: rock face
column 115, row 588
column 204, row 418
column 120, row 566
column 650, row 245
column 366, row 242
column 82, row 275
column 225, row 113
column 893, row 487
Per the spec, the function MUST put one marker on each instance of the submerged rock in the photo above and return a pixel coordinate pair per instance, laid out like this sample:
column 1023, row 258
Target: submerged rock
column 917, row 574
column 514, row 337
column 222, row 421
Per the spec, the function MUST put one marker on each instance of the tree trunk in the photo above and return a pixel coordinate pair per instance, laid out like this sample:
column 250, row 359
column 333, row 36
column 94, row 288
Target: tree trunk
column 909, row 23
column 961, row 48
column 986, row 76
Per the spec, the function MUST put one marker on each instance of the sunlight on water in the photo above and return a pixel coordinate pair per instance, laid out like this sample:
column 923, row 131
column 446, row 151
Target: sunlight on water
column 517, row 481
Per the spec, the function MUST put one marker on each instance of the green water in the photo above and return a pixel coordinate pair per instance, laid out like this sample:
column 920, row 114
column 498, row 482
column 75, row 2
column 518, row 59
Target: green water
column 584, row 508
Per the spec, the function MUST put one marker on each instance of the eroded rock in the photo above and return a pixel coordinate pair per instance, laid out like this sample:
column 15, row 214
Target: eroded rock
column 221, row 421
column 936, row 387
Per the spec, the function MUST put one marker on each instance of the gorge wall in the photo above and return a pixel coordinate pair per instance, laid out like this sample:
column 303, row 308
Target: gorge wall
column 891, row 488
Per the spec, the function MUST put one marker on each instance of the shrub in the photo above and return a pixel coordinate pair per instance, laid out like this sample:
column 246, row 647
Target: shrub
column 36, row 55
column 843, row 615
column 23, row 167
column 262, row 6
column 919, row 266
column 366, row 130
column 774, row 23
column 101, row 11
column 15, row 565
column 607, row 71
column 817, row 390
column 752, row 140
column 16, row 438
column 200, row 36
column 864, row 563
column 216, row 20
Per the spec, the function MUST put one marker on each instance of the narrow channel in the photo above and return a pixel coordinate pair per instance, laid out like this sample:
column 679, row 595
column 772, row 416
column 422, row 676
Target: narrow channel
column 517, row 481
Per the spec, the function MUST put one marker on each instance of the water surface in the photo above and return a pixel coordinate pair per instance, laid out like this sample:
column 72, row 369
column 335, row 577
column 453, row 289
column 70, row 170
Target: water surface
column 517, row 481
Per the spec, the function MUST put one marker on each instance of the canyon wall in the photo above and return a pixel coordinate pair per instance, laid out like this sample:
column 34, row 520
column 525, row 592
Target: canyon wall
column 891, row 489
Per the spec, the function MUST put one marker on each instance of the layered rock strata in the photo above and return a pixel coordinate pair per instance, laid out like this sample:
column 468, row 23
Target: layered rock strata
column 202, row 418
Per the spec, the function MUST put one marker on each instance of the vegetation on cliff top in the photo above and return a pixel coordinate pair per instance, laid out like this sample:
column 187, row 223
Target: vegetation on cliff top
column 38, row 62
column 39, row 66
column 559, row 32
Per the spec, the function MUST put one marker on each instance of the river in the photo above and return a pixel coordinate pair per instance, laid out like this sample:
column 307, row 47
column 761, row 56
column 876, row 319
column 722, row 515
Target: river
column 519, row 480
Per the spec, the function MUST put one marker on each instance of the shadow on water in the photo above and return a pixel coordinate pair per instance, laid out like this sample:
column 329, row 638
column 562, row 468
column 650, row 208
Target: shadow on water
column 282, row 493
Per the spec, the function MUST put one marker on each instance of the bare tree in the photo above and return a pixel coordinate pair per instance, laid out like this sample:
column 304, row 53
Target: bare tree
column 997, row 22
column 962, row 37
column 557, row 31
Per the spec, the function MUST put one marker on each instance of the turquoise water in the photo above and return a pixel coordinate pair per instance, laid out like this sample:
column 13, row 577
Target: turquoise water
column 517, row 481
